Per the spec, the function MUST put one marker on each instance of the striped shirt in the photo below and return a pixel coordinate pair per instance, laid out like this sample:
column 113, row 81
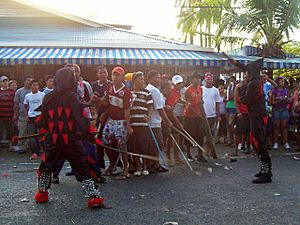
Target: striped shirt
column 6, row 104
column 141, row 100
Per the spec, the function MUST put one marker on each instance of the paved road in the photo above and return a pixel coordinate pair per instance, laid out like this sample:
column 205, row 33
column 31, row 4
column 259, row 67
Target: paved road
column 220, row 197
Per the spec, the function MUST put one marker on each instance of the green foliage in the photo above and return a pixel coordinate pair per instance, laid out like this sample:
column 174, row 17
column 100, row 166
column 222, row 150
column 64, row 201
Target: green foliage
column 197, row 18
column 267, row 23
column 287, row 73
column 292, row 48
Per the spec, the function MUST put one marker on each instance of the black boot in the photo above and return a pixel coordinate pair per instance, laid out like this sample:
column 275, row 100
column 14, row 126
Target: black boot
column 265, row 174
column 259, row 174
column 55, row 179
column 264, row 178
column 264, row 166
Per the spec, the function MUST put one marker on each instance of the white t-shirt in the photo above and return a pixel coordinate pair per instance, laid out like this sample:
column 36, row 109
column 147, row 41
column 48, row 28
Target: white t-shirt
column 179, row 107
column 210, row 97
column 158, row 103
column 34, row 101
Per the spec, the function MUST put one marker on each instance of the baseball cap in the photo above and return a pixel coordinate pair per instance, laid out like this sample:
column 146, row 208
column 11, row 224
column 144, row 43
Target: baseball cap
column 177, row 79
column 119, row 70
column 128, row 76
column 2, row 78
column 208, row 76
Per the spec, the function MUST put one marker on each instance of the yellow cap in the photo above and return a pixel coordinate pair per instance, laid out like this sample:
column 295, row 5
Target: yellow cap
column 128, row 76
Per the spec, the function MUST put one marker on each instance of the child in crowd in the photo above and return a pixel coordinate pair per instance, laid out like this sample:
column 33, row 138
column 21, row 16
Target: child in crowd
column 280, row 101
column 223, row 123
column 117, row 127
column 32, row 101
column 242, row 125
column 231, row 110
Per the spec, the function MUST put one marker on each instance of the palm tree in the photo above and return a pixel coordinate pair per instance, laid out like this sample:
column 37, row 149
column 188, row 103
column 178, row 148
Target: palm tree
column 197, row 17
column 268, row 22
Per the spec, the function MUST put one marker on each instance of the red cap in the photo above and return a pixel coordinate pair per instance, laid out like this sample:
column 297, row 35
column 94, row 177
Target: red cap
column 165, row 77
column 208, row 76
column 119, row 70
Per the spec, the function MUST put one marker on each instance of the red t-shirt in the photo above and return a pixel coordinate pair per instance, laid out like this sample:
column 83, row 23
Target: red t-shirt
column 242, row 107
column 118, row 100
column 173, row 98
column 6, row 104
column 194, row 96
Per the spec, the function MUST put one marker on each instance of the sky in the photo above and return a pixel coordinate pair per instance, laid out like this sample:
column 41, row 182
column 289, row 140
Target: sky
column 157, row 17
column 147, row 16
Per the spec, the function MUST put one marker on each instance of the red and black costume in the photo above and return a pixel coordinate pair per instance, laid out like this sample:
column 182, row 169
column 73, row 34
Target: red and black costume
column 253, row 96
column 64, row 128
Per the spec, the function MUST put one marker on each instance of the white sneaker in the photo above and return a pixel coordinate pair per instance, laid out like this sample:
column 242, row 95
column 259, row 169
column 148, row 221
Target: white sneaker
column 145, row 172
column 287, row 146
column 16, row 148
column 240, row 146
column 275, row 147
column 137, row 173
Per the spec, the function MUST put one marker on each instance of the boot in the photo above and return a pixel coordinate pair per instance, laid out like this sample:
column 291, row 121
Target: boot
column 264, row 178
column 259, row 174
column 55, row 179
column 265, row 174
column 95, row 202
column 41, row 197
column 91, row 192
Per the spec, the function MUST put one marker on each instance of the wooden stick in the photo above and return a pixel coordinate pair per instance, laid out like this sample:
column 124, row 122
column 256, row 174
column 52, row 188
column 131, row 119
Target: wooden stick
column 183, row 155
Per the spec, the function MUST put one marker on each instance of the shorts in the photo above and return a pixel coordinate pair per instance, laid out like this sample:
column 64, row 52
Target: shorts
column 280, row 114
column 223, row 126
column 115, row 129
column 242, row 125
column 194, row 126
column 231, row 111
column 139, row 140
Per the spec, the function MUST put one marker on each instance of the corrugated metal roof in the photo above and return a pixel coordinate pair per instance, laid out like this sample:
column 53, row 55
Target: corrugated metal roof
column 87, row 37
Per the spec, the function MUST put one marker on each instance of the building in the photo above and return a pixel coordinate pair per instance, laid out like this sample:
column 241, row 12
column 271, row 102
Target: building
column 38, row 41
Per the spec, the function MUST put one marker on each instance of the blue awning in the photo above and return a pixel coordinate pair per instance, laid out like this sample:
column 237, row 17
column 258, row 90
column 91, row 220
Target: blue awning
column 118, row 56
column 270, row 63
column 106, row 56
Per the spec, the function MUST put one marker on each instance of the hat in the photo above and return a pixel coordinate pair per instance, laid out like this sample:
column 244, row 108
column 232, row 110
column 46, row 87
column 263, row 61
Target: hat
column 128, row 76
column 165, row 76
column 119, row 70
column 208, row 76
column 3, row 78
column 177, row 79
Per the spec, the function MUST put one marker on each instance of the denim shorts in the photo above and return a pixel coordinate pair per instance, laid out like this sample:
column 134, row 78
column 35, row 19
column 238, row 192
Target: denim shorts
column 231, row 111
column 280, row 114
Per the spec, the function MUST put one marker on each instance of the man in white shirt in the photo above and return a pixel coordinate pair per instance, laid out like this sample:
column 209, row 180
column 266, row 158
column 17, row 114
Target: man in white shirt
column 211, row 98
column 31, row 102
column 156, row 118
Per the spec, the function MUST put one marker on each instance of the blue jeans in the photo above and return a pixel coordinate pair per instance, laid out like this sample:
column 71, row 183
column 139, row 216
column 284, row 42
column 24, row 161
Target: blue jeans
column 32, row 128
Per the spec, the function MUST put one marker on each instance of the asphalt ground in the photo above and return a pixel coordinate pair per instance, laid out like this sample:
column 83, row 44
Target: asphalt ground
column 213, row 195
